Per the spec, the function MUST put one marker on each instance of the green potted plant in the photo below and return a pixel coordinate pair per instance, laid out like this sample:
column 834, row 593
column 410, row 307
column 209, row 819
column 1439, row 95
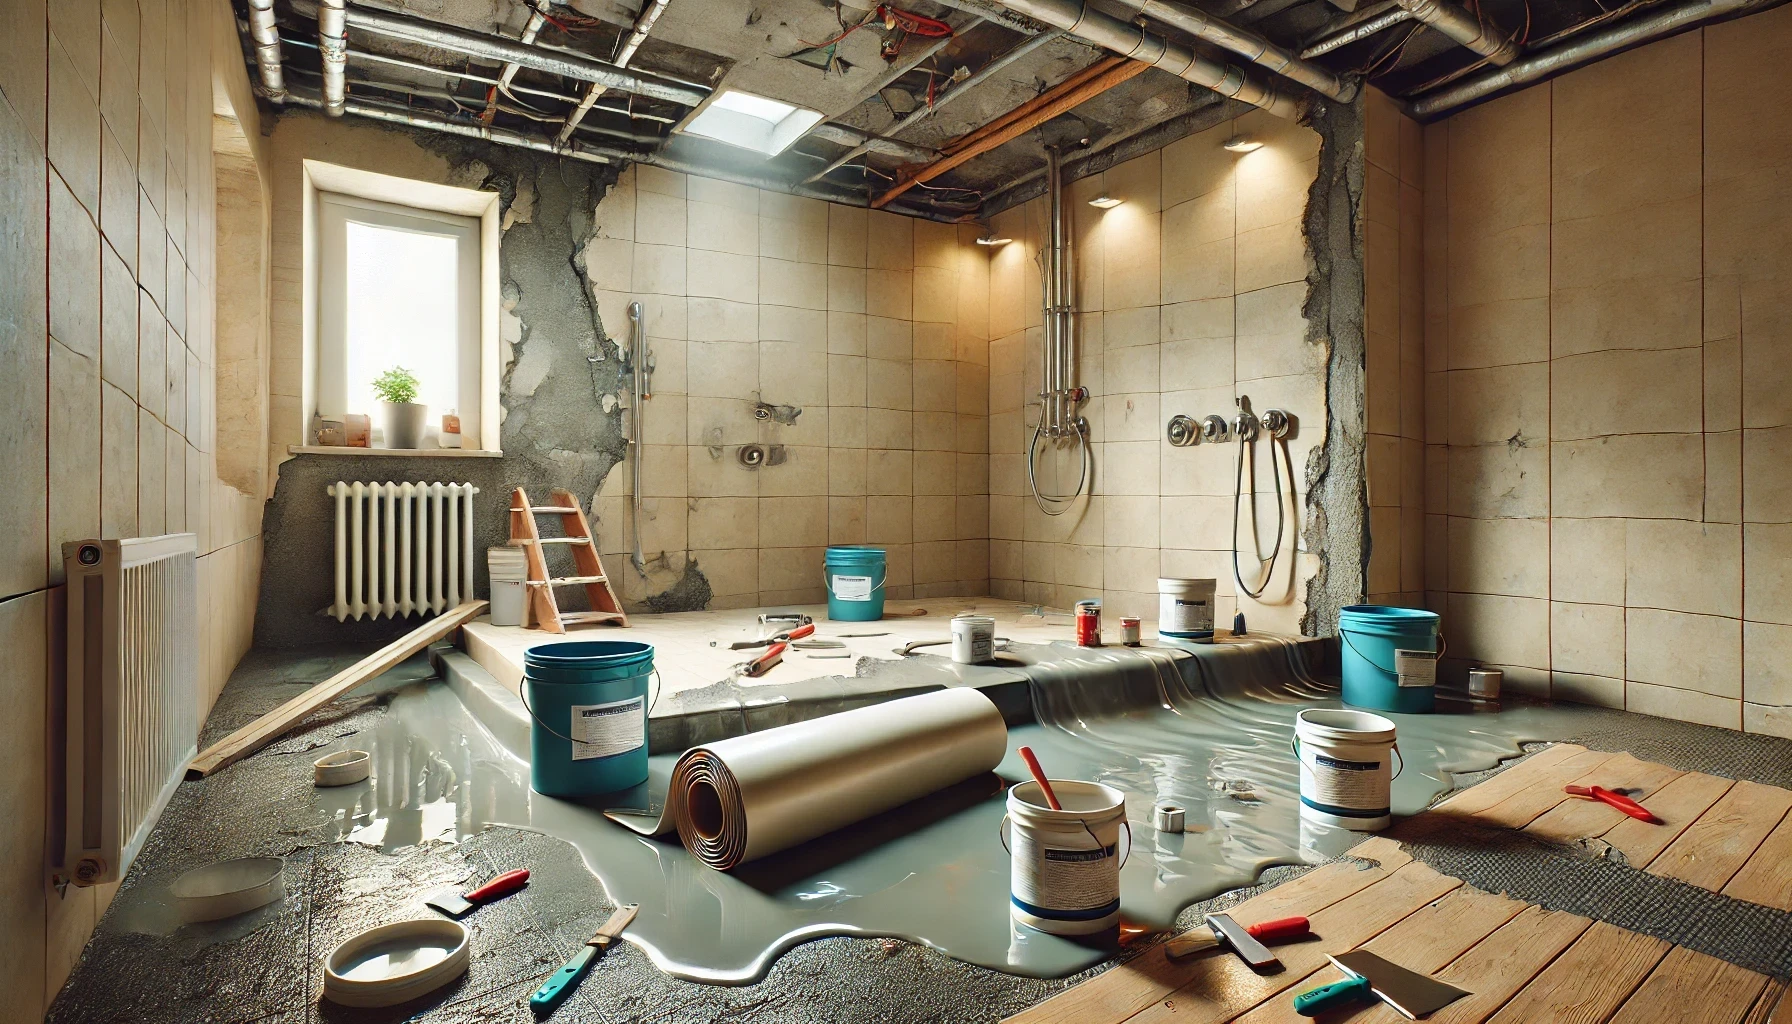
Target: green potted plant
column 404, row 415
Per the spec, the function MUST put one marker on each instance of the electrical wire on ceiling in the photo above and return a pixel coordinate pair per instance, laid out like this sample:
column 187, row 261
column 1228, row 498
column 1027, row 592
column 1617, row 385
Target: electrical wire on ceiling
column 898, row 26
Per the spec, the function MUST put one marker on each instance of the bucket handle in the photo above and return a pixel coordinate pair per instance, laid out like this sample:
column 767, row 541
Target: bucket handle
column 1295, row 744
column 827, row 581
column 1002, row 834
column 1443, row 644
column 523, row 693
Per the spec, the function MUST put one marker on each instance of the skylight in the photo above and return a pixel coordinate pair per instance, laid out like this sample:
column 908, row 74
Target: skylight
column 758, row 123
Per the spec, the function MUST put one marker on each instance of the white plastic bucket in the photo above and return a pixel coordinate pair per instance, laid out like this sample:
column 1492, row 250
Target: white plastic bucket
column 1185, row 608
column 1065, row 874
column 508, row 568
column 973, row 639
column 1346, row 768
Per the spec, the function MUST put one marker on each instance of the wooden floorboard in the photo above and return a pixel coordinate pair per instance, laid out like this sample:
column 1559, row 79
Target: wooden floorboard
column 1229, row 987
column 1767, row 876
column 1587, row 982
column 1678, row 804
column 1713, row 848
column 1423, row 941
column 1481, row 796
column 1574, row 818
column 1130, row 987
column 1692, row 988
column 1545, row 790
column 1767, row 1004
column 1498, row 967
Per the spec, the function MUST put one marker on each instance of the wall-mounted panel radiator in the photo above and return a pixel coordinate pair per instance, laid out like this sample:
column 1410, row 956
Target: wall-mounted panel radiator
column 131, row 696
column 402, row 549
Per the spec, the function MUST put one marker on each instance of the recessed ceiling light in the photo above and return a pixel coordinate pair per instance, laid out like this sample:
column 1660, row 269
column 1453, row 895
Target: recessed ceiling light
column 1242, row 144
column 988, row 240
column 758, row 123
column 1105, row 202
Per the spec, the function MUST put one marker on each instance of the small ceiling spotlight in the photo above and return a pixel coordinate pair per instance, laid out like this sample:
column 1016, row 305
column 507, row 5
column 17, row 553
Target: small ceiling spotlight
column 1105, row 202
column 990, row 239
column 1242, row 144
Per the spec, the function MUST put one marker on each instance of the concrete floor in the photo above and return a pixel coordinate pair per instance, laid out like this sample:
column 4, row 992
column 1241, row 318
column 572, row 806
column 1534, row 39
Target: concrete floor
column 266, row 965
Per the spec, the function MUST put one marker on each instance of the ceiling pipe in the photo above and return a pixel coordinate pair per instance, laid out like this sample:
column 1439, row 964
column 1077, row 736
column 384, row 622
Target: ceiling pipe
column 1543, row 64
column 499, row 50
column 988, row 10
column 266, row 37
column 840, row 134
column 537, row 18
column 1358, row 31
column 1080, row 19
column 1247, row 44
column 332, row 48
column 920, row 114
column 643, row 25
column 1482, row 37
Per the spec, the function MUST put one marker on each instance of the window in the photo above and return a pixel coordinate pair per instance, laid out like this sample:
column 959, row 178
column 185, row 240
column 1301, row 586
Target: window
column 753, row 122
column 400, row 273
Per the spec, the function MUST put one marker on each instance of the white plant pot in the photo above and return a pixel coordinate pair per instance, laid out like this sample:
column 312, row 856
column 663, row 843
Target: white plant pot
column 405, row 424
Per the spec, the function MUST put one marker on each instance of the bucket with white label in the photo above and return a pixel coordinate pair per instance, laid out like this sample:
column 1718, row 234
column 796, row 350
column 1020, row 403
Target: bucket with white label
column 973, row 639
column 1065, row 865
column 855, row 575
column 1346, row 768
column 588, row 707
column 1185, row 608
column 508, row 569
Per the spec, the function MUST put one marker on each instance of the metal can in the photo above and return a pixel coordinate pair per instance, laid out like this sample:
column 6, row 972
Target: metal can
column 1484, row 684
column 1088, row 623
column 1129, row 630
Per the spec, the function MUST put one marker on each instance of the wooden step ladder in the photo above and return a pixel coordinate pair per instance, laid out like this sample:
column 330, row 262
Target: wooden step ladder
column 577, row 529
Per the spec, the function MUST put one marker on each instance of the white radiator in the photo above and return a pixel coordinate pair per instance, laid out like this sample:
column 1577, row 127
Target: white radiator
column 131, row 696
column 402, row 549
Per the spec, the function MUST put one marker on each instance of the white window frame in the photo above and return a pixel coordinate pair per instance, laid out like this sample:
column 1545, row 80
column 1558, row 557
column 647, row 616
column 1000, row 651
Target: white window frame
column 385, row 196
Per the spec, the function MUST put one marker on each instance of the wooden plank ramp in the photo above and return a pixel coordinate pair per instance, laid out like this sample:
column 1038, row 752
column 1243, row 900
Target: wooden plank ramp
column 1520, row 963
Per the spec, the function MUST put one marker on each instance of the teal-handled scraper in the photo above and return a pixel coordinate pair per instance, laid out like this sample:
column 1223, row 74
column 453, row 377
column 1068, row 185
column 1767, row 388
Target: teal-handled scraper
column 554, row 991
column 1369, row 977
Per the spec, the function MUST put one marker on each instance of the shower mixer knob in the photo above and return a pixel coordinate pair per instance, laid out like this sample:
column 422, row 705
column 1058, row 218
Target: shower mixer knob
column 1244, row 425
column 1277, row 423
column 1214, row 429
column 1182, row 431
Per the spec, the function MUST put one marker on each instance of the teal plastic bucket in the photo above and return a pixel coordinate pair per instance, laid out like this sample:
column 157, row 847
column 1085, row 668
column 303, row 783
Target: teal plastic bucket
column 1368, row 635
column 588, row 707
column 855, row 575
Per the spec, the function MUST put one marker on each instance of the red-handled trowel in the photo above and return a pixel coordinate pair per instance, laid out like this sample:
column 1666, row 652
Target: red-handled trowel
column 457, row 905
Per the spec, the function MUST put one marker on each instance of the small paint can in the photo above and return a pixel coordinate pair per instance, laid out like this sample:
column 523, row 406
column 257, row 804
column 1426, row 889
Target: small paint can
column 1088, row 623
column 1129, row 630
column 1167, row 818
column 1484, row 684
column 1185, row 608
column 973, row 639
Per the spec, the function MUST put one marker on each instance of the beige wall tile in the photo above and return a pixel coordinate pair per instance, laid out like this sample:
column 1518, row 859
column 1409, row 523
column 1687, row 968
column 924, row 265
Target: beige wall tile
column 1682, row 566
column 1500, row 556
column 1588, row 559
column 1499, row 403
column 1690, row 652
column 1499, row 630
column 1602, row 691
column 1587, row 639
column 1641, row 475
column 1771, row 721
column 23, row 624
column 1766, row 474
column 1766, row 550
column 1684, row 705
column 1767, row 663
column 1626, row 392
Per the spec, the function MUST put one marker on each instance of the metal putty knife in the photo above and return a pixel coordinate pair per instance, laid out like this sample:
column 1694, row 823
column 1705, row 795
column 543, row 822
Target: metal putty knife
column 457, row 905
column 1371, row 977
column 554, row 991
column 1218, row 931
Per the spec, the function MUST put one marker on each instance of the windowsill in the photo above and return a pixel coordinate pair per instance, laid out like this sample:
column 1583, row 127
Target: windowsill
column 426, row 453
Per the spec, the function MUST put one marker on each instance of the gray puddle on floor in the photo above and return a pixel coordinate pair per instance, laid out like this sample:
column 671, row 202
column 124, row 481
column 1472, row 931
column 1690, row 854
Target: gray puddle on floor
column 1210, row 732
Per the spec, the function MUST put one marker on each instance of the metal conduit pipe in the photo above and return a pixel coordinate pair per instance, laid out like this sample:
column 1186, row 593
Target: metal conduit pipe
column 332, row 48
column 920, row 114
column 499, row 50
column 1557, row 59
column 1465, row 28
column 643, row 25
column 1359, row 31
column 537, row 18
column 840, row 134
column 471, row 129
column 989, row 11
column 1247, row 44
column 267, row 47
column 1079, row 19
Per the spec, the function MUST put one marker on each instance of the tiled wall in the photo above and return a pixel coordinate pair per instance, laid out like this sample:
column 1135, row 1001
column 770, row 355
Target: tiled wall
column 1609, row 360
column 1190, row 293
column 876, row 325
column 106, row 219
column 1394, row 371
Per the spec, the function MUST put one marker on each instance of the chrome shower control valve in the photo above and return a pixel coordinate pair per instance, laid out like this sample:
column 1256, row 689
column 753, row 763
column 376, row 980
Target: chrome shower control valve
column 1277, row 422
column 1182, row 431
column 1244, row 426
column 1214, row 429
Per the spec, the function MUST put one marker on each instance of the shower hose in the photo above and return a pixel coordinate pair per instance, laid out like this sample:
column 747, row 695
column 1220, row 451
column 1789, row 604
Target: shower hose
column 1057, row 504
column 1265, row 566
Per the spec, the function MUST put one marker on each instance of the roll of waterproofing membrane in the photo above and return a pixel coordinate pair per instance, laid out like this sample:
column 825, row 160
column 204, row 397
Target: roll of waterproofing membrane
column 742, row 798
